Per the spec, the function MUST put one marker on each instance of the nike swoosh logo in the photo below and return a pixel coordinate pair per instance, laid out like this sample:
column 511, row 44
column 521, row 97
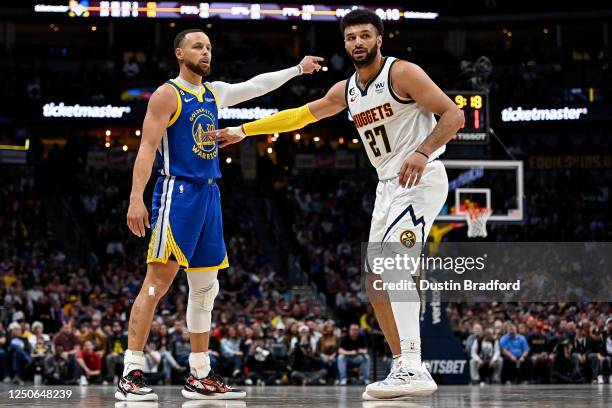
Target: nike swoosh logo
column 188, row 100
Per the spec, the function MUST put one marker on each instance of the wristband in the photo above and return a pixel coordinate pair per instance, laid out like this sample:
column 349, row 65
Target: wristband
column 300, row 69
column 420, row 152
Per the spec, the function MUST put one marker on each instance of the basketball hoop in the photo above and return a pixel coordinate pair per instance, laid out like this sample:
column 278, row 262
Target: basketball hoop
column 477, row 221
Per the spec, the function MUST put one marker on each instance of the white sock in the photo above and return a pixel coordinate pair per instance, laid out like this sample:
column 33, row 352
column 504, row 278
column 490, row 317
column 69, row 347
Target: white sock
column 406, row 315
column 200, row 364
column 133, row 360
column 411, row 351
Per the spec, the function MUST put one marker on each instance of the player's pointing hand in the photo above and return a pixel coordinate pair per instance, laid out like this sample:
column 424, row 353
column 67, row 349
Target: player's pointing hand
column 311, row 64
column 226, row 136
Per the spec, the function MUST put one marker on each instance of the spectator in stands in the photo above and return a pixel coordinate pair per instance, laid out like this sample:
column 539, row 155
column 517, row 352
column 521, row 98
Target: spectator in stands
column 116, row 344
column 19, row 352
column 327, row 349
column 57, row 368
column 230, row 349
column 515, row 351
column 90, row 362
column 306, row 366
column 261, row 365
column 304, row 337
column 353, row 351
column 539, row 346
column 485, row 359
column 40, row 351
column 583, row 354
column 599, row 353
column 37, row 331
column 153, row 360
column 564, row 371
column 475, row 336
column 181, row 347
column 99, row 336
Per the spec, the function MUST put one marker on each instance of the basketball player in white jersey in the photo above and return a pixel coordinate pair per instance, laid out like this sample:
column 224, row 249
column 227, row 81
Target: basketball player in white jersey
column 392, row 103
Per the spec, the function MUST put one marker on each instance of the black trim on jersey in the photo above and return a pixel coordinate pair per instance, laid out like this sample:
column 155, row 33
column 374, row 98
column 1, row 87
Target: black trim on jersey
column 346, row 89
column 392, row 92
column 364, row 92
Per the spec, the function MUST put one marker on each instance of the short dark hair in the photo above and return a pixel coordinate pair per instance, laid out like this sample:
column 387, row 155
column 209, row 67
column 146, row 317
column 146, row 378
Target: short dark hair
column 362, row 16
column 181, row 36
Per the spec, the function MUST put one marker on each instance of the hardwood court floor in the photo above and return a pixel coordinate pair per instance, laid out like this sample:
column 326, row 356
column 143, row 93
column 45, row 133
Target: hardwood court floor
column 540, row 396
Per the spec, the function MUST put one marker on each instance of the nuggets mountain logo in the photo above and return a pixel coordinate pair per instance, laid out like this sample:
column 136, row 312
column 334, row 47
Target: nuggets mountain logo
column 203, row 121
column 408, row 239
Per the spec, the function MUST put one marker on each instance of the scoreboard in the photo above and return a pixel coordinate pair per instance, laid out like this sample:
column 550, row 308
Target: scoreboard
column 222, row 10
column 475, row 107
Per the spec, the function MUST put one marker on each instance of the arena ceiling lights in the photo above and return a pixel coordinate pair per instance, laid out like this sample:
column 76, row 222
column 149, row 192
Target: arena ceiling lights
column 227, row 11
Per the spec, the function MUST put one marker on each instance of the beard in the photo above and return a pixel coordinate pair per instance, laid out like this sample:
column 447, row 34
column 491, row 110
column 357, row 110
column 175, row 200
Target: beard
column 370, row 56
column 196, row 69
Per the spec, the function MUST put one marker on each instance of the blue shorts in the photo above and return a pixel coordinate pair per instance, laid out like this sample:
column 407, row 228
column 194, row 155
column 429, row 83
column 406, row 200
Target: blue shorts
column 187, row 224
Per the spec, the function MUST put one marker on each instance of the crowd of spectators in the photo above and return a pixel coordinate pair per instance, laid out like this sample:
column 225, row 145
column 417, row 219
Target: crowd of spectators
column 539, row 342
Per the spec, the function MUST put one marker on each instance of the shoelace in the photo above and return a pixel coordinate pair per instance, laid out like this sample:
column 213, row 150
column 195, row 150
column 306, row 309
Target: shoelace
column 216, row 377
column 402, row 373
column 138, row 379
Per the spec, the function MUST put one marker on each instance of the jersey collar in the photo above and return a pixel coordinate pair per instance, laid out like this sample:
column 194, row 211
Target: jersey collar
column 190, row 88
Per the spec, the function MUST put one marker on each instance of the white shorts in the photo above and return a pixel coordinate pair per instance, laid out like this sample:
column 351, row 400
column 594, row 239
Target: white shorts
column 406, row 214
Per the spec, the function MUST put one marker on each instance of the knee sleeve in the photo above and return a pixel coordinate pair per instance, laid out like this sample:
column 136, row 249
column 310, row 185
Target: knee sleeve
column 203, row 289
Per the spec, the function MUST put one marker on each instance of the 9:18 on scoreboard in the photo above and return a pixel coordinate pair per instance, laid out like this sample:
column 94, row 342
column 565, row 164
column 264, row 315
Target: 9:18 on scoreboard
column 475, row 107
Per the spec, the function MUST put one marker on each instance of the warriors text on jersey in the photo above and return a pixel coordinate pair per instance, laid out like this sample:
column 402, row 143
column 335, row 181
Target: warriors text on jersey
column 390, row 127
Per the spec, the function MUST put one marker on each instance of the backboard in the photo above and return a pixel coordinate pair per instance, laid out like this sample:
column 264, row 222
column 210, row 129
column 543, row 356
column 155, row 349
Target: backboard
column 496, row 184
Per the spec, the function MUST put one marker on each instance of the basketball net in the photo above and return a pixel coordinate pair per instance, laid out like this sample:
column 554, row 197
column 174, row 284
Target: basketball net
column 477, row 221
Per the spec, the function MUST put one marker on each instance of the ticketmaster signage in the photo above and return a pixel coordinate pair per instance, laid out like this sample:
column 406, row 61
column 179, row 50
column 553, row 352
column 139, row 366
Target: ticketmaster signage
column 520, row 114
column 62, row 110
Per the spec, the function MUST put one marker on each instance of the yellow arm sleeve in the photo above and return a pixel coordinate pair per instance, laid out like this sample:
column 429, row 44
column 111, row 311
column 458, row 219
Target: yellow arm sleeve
column 283, row 121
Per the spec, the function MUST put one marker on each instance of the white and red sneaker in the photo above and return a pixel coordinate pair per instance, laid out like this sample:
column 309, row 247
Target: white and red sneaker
column 133, row 387
column 210, row 387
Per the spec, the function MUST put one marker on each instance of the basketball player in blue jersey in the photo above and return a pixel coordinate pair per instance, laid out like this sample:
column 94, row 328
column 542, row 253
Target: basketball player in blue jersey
column 186, row 211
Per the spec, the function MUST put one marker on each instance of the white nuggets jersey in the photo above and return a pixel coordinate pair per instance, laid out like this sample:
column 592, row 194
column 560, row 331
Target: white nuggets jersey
column 390, row 127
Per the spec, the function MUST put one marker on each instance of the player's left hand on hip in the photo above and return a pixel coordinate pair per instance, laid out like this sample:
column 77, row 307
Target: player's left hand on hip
column 412, row 169
column 226, row 136
column 311, row 64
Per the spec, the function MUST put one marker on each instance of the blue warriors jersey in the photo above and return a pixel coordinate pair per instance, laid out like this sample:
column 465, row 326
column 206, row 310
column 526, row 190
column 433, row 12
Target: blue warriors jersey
column 185, row 152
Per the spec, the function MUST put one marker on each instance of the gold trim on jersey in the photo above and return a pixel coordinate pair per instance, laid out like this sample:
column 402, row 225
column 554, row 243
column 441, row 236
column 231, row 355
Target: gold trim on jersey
column 223, row 264
column 200, row 95
column 172, row 248
column 214, row 94
column 179, row 107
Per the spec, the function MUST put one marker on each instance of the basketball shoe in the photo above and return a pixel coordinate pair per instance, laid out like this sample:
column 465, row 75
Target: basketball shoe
column 210, row 387
column 404, row 380
column 133, row 387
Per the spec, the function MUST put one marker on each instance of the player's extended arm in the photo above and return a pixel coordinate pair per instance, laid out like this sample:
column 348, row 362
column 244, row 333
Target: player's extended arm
column 409, row 80
column 287, row 120
column 162, row 106
column 233, row 94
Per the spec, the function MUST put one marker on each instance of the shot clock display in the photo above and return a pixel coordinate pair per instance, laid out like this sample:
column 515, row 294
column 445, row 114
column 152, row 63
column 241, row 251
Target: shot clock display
column 475, row 106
